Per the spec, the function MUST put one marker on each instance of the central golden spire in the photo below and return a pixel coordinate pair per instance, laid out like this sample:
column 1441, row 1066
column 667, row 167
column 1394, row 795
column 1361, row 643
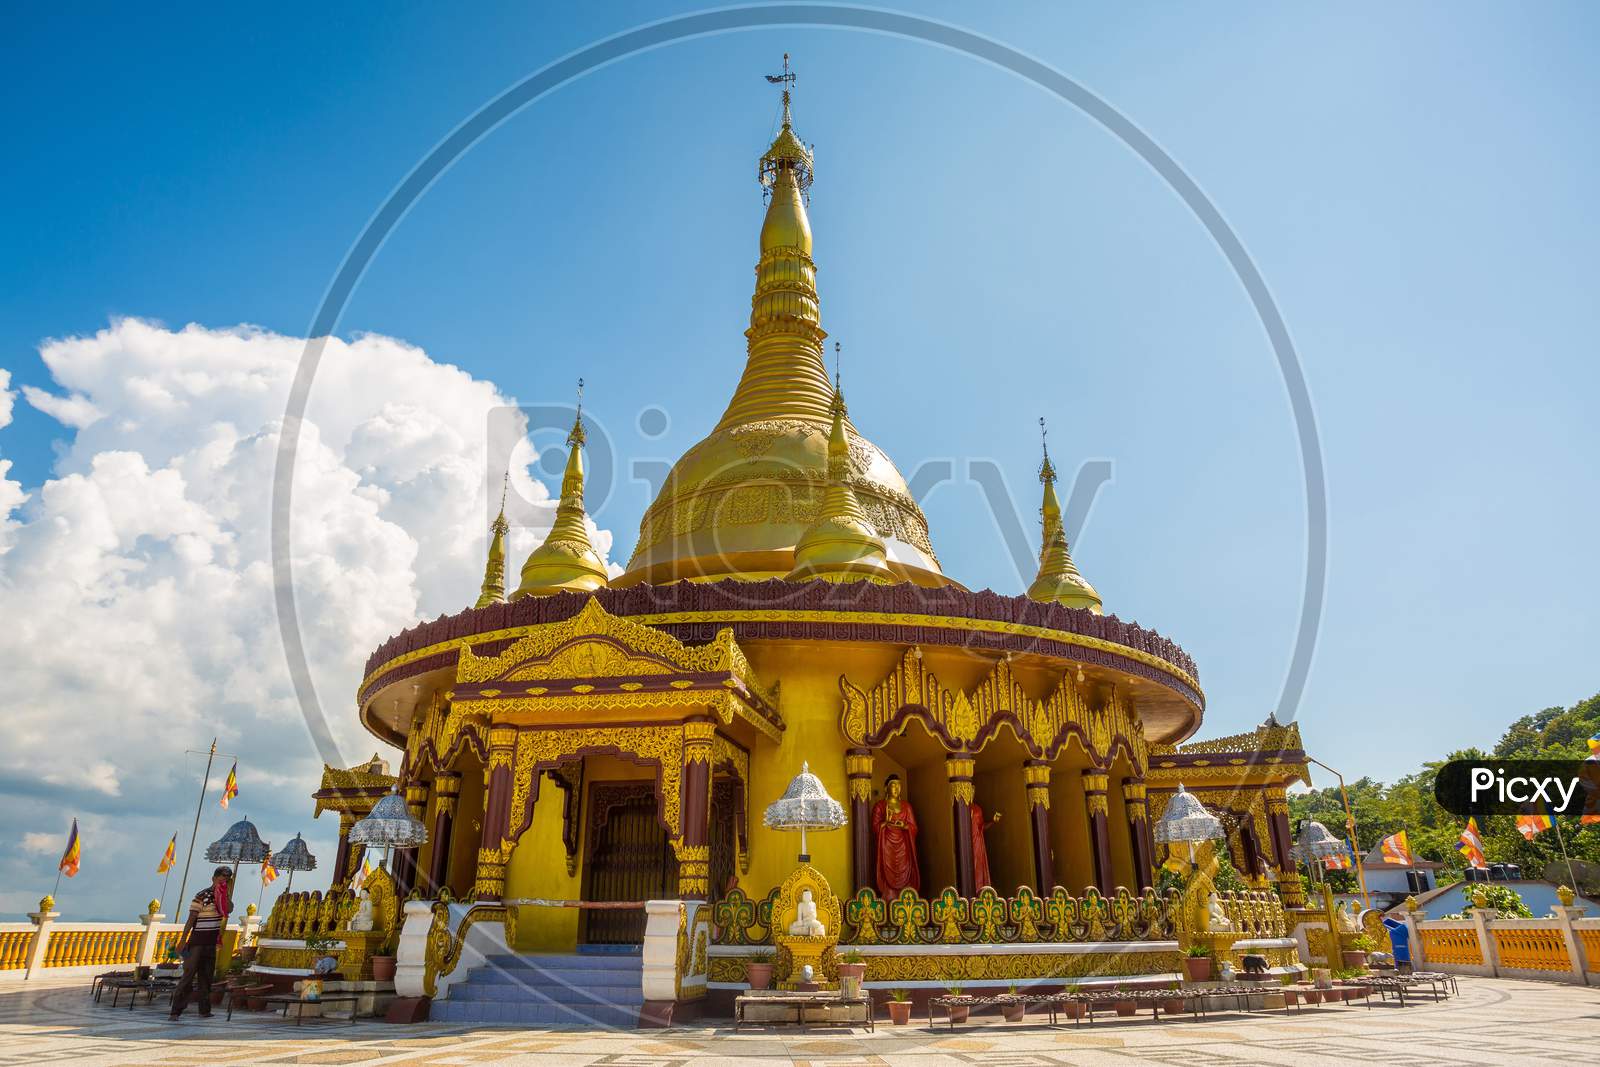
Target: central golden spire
column 737, row 503
column 566, row 561
column 1058, row 580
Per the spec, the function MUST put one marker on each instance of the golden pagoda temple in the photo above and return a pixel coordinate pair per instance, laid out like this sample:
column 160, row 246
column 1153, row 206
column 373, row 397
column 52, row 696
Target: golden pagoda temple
column 587, row 741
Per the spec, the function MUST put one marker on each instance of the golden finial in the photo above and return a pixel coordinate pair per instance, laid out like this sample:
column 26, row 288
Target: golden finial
column 841, row 546
column 566, row 560
column 1058, row 580
column 493, row 589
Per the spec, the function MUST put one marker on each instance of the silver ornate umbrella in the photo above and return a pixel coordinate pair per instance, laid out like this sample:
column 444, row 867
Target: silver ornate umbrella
column 241, row 844
column 1315, row 845
column 389, row 825
column 1186, row 821
column 805, row 805
column 294, row 857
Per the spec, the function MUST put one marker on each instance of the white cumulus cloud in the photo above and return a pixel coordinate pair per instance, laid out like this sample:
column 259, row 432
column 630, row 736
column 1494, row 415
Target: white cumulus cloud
column 7, row 397
column 137, row 588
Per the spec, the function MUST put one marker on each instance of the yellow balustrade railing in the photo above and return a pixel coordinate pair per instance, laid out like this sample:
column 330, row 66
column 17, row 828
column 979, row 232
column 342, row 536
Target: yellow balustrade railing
column 166, row 943
column 1453, row 945
column 1540, row 948
column 14, row 946
column 1590, row 939
column 92, row 947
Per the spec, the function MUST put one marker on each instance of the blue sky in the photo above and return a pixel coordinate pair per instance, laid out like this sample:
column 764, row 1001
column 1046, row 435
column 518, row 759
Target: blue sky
column 1415, row 185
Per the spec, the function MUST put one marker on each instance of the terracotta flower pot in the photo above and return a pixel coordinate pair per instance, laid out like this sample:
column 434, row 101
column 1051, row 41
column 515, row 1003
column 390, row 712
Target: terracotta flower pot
column 759, row 975
column 1013, row 1013
column 899, row 1012
column 1197, row 968
column 1073, row 1010
column 1126, row 1008
column 1353, row 959
column 1173, row 1006
column 1313, row 996
column 383, row 968
column 958, row 1013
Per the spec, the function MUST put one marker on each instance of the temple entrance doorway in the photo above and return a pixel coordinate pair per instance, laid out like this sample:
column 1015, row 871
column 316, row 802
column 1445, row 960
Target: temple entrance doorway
column 628, row 858
column 724, row 835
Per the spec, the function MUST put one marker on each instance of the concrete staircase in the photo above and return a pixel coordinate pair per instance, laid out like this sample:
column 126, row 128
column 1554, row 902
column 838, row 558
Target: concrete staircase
column 542, row 991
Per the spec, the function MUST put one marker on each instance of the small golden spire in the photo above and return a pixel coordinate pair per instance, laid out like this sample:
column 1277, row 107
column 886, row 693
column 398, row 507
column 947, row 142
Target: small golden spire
column 841, row 546
column 493, row 590
column 1058, row 580
column 566, row 561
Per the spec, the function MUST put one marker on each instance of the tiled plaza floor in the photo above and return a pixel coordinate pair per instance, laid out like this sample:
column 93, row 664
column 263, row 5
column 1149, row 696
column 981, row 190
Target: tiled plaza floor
column 1493, row 1021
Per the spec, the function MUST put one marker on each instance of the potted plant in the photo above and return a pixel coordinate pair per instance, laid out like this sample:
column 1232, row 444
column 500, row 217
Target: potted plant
column 1072, row 1008
column 1015, row 1007
column 1197, row 964
column 899, row 1007
column 230, row 977
column 1125, row 1004
column 1172, row 1005
column 1355, row 954
column 758, row 973
column 852, row 969
column 958, row 1012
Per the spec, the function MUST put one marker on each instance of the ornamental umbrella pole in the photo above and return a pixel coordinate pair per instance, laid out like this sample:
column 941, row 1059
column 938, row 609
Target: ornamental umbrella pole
column 805, row 805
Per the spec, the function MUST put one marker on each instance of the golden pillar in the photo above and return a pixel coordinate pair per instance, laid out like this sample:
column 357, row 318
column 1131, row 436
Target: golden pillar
column 958, row 768
column 1137, row 803
column 491, row 881
column 693, row 845
column 1036, row 777
column 446, row 787
column 858, row 772
column 1095, row 784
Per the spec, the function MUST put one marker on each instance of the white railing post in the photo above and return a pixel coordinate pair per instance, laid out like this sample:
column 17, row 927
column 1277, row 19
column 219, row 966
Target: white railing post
column 152, row 934
column 1481, row 918
column 660, row 951
column 411, row 957
column 1419, row 955
column 43, row 919
column 1564, row 916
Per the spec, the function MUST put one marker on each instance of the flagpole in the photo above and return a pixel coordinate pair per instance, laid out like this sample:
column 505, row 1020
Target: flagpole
column 205, row 784
column 1562, row 841
column 167, row 877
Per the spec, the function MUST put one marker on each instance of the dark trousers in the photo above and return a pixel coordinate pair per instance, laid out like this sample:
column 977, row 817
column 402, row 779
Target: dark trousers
column 199, row 961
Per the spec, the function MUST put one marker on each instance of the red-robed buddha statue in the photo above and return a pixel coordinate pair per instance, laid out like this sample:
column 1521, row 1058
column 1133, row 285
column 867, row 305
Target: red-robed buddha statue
column 980, row 851
column 894, row 826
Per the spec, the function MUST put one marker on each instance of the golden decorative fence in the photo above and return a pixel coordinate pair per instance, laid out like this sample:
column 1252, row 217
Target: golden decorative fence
column 91, row 947
column 1453, row 945
column 14, row 946
column 989, row 918
column 1538, row 948
column 1590, row 940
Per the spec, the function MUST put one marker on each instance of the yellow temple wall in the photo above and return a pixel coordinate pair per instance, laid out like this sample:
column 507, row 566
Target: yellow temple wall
column 1010, row 841
column 1069, row 830
column 810, row 701
column 538, row 868
column 469, row 826
column 1122, row 872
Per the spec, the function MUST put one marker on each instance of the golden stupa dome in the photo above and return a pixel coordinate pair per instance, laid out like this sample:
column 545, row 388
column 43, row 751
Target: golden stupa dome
column 736, row 504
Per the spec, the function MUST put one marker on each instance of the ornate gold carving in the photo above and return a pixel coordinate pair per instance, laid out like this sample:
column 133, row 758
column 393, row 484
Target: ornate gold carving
column 1041, row 725
column 1036, row 778
column 1096, row 803
column 867, row 618
column 694, row 868
column 661, row 745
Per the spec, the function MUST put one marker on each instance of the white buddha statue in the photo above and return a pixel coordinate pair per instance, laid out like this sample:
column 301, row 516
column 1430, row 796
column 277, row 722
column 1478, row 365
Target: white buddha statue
column 362, row 919
column 1217, row 919
column 806, row 923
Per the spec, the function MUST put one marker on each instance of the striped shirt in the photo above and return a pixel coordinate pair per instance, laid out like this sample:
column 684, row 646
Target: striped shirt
column 207, row 918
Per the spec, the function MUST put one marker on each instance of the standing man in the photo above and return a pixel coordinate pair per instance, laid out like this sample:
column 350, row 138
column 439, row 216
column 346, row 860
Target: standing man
column 202, row 933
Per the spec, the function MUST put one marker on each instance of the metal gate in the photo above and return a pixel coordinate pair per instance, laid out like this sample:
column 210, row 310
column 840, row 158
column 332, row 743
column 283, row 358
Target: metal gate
column 629, row 858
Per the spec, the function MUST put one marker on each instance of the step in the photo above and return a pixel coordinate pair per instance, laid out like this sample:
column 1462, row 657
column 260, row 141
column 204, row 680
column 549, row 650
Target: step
column 607, row 962
column 502, row 1013
column 493, row 973
column 510, row 992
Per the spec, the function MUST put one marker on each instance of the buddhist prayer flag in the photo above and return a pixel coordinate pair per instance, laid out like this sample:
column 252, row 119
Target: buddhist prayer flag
column 1342, row 860
column 69, row 859
column 1530, row 826
column 1396, row 849
column 269, row 873
column 1594, row 745
column 230, row 788
column 169, row 857
column 1471, row 845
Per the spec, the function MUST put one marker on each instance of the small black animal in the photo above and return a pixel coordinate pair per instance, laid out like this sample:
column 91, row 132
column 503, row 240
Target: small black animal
column 1254, row 964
